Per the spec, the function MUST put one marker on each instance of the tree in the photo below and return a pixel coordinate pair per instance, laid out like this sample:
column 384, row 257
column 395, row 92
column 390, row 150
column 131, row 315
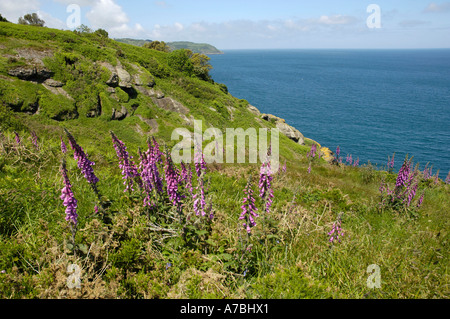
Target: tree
column 180, row 60
column 157, row 45
column 83, row 29
column 201, row 66
column 102, row 33
column 31, row 19
column 3, row 19
column 192, row 64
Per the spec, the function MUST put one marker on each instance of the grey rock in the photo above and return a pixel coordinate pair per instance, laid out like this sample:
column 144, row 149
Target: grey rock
column 169, row 104
column 119, row 115
column 254, row 110
column 286, row 129
column 291, row 132
column 31, row 73
column 53, row 83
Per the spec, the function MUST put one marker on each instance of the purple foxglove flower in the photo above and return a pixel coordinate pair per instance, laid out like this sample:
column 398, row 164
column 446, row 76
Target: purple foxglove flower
column 129, row 170
column 312, row 152
column 403, row 175
column 391, row 163
column 199, row 199
column 63, row 146
column 200, row 164
column 34, row 140
column 309, row 168
column 265, row 185
column 447, row 179
column 420, row 200
column 172, row 181
column 186, row 176
column 17, row 138
column 411, row 194
column 83, row 162
column 356, row 163
column 248, row 208
column 283, row 169
column 436, row 178
column 68, row 198
column 336, row 232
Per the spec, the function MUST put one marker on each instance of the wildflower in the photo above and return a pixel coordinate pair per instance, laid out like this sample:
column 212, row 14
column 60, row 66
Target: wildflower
column 83, row 162
column 436, row 178
column 129, row 170
column 312, row 152
column 151, row 179
column 68, row 198
column 411, row 194
column 338, row 151
column 172, row 181
column 336, row 232
column 356, row 163
column 34, row 140
column 390, row 163
column 17, row 138
column 349, row 159
column 63, row 146
column 309, row 168
column 419, row 203
column 265, row 185
column 447, row 180
column 200, row 164
column 248, row 208
column 403, row 175
column 283, row 169
column 199, row 199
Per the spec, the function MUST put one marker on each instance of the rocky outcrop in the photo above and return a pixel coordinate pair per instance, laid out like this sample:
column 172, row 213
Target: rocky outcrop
column 286, row 129
column 119, row 76
column 142, row 77
column 31, row 73
column 53, row 83
column 152, row 123
column 119, row 115
column 254, row 110
column 151, row 92
column 169, row 104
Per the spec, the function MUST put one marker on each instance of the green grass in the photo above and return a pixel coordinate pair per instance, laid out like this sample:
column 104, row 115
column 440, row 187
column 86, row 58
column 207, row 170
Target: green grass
column 123, row 254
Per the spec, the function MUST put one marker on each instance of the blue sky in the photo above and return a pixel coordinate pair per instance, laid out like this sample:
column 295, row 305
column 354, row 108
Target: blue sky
column 256, row 24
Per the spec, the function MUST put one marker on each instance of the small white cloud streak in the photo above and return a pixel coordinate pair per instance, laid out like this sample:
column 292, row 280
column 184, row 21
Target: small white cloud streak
column 437, row 8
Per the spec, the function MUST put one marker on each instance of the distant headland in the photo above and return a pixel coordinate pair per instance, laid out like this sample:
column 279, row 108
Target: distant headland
column 202, row 48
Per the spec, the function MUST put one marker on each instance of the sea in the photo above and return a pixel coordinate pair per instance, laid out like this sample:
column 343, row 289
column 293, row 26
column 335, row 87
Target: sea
column 370, row 103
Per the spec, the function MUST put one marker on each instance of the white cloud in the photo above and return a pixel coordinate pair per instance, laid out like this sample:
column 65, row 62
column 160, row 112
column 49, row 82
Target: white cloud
column 13, row 9
column 51, row 21
column 106, row 14
column 434, row 7
column 81, row 3
column 178, row 26
column 336, row 20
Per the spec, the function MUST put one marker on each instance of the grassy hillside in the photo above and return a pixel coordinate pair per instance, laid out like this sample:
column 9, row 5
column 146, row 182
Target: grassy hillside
column 150, row 243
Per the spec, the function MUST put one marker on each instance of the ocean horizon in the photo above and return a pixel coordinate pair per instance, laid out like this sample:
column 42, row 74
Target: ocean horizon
column 369, row 102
